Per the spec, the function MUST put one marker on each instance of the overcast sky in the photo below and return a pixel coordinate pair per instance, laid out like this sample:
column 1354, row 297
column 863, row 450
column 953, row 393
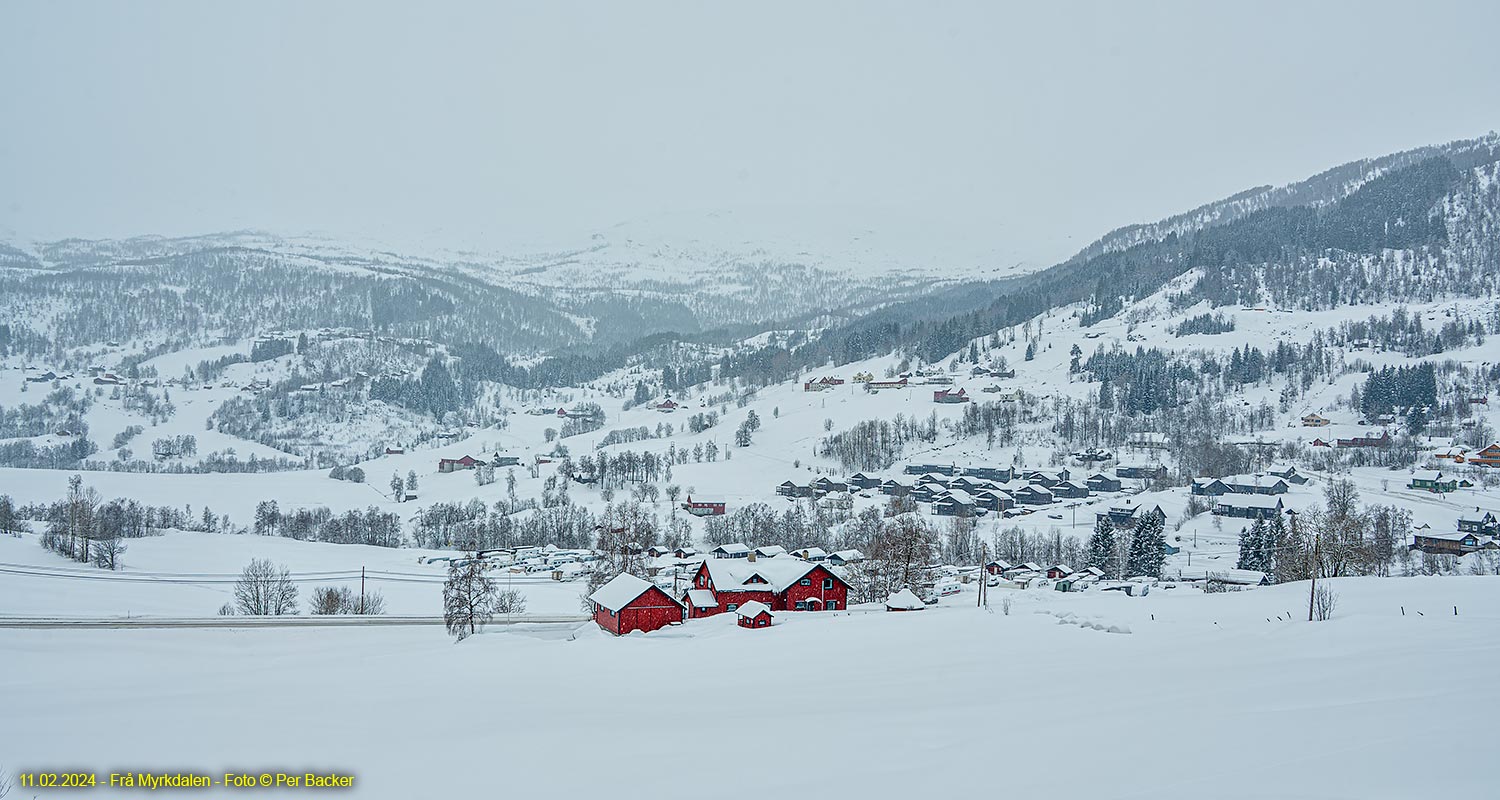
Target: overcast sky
column 1034, row 127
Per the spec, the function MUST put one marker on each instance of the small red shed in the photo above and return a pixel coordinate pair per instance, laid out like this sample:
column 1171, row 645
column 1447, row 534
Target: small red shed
column 628, row 604
column 754, row 614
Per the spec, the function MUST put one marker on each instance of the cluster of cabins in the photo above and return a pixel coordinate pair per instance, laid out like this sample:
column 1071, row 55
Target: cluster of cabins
column 975, row 490
column 735, row 579
column 470, row 462
column 1250, row 496
column 1477, row 530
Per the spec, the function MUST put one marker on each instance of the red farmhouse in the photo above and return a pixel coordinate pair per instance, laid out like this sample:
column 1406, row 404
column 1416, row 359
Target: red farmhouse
column 703, row 507
column 754, row 615
column 722, row 585
column 451, row 464
column 628, row 603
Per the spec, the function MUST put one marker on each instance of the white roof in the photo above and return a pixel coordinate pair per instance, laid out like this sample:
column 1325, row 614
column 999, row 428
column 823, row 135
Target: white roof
column 1427, row 475
column 1450, row 536
column 906, row 600
column 960, row 496
column 812, row 552
column 770, row 550
column 1248, row 577
column 754, row 608
column 733, row 547
column 701, row 598
column 620, row 590
column 849, row 555
column 1063, row 567
column 777, row 574
column 1249, row 500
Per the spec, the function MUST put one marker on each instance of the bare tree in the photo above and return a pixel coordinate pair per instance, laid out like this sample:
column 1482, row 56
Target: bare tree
column 1324, row 601
column 469, row 597
column 265, row 590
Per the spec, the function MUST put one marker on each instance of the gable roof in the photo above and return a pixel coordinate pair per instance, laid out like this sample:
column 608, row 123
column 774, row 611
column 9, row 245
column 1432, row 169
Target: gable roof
column 753, row 609
column 778, row 574
column 622, row 589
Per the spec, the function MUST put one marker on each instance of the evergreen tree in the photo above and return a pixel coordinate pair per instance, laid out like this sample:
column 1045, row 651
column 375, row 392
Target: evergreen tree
column 1147, row 548
column 1102, row 547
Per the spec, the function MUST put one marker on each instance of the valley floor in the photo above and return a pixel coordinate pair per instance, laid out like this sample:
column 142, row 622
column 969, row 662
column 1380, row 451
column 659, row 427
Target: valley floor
column 1176, row 694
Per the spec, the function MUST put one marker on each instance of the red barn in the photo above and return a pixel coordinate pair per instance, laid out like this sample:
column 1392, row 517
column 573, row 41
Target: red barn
column 703, row 507
column 946, row 396
column 628, row 603
column 784, row 584
column 451, row 464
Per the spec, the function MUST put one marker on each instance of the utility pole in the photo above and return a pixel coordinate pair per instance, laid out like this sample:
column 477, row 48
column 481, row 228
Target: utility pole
column 983, row 577
column 1312, row 592
column 361, row 591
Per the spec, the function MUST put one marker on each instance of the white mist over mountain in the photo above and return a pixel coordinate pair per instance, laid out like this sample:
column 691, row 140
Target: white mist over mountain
column 968, row 134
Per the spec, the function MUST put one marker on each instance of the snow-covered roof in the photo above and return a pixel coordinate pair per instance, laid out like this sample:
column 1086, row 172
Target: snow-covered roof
column 752, row 609
column 1247, row 577
column 770, row 550
column 906, row 600
column 1249, row 500
column 1063, row 567
column 778, row 574
column 620, row 590
column 1427, row 475
column 1447, row 536
column 701, row 598
column 732, row 547
column 848, row 555
column 810, row 553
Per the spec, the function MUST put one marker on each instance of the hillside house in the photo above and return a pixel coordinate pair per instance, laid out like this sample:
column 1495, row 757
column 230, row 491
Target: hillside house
column 842, row 501
column 769, row 551
column 1149, row 440
column 811, row 553
column 1255, row 484
column 1099, row 482
column 1068, row 490
column 1315, row 421
column 1288, row 473
column 1032, row 495
column 731, row 550
column 876, row 386
column 1368, row 439
column 666, row 406
column 455, row 464
column 627, row 604
column 1129, row 515
column 950, row 396
column 895, row 488
column 1489, row 456
column 926, row 469
column 1478, row 522
column 1148, row 472
column 790, row 489
column 997, row 567
column 1433, row 481
column 956, row 503
column 994, row 500
column 859, row 480
column 825, row 484
column 1057, row 571
column 507, row 461
column 704, row 506
column 1048, row 477
column 845, row 557
column 754, row 614
column 782, row 584
column 1455, row 543
column 1248, row 506
column 1001, row 474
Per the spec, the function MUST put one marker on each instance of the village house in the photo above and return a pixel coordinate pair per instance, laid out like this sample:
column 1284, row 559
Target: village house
column 1287, row 472
column 1149, row 440
column 1489, row 456
column 1249, row 506
column 1433, row 481
column 876, row 386
column 1049, row 477
column 1455, row 543
column 1369, row 439
column 782, row 584
column 1315, row 421
column 859, row 480
column 1477, row 522
column 929, row 469
column 754, row 614
column 1001, row 474
column 1128, row 515
column 704, row 506
column 994, row 500
column 790, row 489
column 455, row 464
column 825, row 484
column 1099, row 482
column 627, row 604
column 1068, row 490
column 731, row 550
column 1032, row 495
column 836, row 501
column 895, row 488
column 811, row 553
column 770, row 551
column 1059, row 571
column 997, row 567
column 956, row 503
column 667, row 406
column 950, row 396
column 843, row 558
column 1148, row 472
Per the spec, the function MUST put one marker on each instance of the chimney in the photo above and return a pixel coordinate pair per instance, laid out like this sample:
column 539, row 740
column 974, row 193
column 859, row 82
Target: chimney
column 751, row 557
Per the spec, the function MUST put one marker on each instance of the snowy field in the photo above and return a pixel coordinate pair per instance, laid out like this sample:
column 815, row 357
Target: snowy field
column 1208, row 699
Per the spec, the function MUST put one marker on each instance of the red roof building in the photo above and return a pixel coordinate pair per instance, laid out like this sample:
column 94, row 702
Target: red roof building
column 704, row 507
column 451, row 464
column 754, row 615
column 627, row 604
column 722, row 585
column 947, row 396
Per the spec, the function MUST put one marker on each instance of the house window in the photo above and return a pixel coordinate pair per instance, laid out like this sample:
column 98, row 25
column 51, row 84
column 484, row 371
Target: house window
column 833, row 605
column 801, row 605
column 731, row 606
column 828, row 583
column 612, row 613
column 806, row 581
